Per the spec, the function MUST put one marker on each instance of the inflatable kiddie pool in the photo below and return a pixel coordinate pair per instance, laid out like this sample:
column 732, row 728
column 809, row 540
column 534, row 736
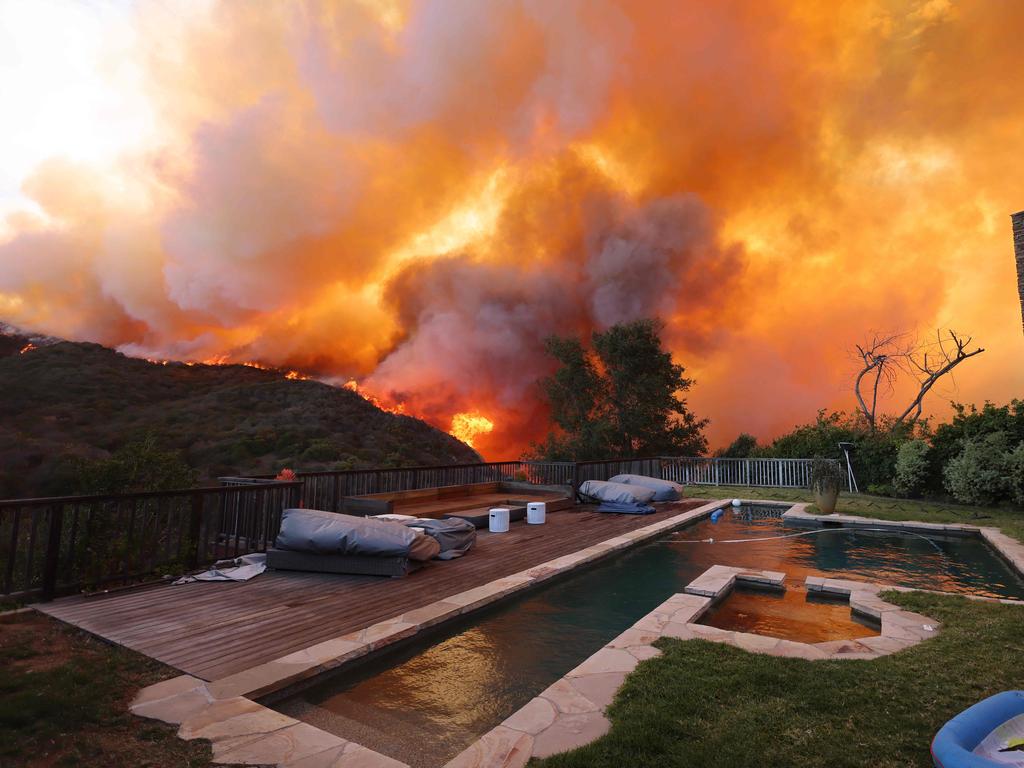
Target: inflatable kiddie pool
column 988, row 735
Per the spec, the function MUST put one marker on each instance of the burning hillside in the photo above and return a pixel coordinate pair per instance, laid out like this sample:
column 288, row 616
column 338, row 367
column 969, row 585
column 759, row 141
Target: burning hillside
column 412, row 194
column 65, row 401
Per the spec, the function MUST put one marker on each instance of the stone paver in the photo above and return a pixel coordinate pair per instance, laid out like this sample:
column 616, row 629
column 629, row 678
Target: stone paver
column 289, row 744
column 500, row 747
column 600, row 687
column 534, row 717
column 567, row 698
column 569, row 732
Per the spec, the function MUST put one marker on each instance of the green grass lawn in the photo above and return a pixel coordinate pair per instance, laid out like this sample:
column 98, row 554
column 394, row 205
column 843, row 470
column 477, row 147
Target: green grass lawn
column 1010, row 521
column 64, row 702
column 715, row 706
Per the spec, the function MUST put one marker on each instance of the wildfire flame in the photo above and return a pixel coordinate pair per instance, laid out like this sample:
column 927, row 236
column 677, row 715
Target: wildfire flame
column 468, row 426
column 398, row 408
column 27, row 348
column 224, row 360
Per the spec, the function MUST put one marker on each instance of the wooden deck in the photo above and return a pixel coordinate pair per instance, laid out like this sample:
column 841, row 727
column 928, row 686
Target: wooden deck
column 214, row 629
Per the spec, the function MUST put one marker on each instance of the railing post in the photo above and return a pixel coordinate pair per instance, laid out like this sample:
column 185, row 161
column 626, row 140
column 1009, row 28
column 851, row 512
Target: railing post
column 714, row 463
column 575, row 478
column 195, row 524
column 52, row 552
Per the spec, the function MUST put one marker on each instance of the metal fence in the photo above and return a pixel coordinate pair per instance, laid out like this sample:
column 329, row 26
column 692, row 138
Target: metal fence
column 760, row 473
column 54, row 545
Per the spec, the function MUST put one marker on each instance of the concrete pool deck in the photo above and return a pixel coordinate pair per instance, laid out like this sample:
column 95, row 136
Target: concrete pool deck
column 243, row 731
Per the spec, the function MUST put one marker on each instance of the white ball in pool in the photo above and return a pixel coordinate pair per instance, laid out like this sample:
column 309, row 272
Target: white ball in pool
column 736, row 502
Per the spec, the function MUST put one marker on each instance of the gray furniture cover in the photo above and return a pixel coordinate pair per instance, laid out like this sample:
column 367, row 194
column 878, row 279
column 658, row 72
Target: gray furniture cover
column 329, row 533
column 664, row 490
column 288, row 560
column 619, row 493
column 456, row 537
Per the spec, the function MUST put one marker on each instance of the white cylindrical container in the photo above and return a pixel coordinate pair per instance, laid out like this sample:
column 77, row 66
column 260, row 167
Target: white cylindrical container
column 499, row 520
column 536, row 511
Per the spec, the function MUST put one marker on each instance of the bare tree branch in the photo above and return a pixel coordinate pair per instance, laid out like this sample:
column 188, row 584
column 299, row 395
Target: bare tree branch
column 934, row 369
column 882, row 356
column 885, row 357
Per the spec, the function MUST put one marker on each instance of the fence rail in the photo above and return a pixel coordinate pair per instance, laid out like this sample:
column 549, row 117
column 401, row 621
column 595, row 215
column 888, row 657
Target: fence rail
column 326, row 489
column 54, row 545
column 759, row 473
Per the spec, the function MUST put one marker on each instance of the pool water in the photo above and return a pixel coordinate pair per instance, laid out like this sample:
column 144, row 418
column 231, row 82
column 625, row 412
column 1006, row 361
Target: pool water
column 425, row 702
column 793, row 614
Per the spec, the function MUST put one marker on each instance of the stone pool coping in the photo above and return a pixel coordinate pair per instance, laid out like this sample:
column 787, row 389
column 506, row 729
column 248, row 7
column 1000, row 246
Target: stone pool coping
column 1007, row 547
column 244, row 731
column 571, row 712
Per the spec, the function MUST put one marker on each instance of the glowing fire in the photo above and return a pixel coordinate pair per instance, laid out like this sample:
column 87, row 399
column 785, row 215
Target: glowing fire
column 397, row 409
column 469, row 425
column 27, row 348
column 223, row 360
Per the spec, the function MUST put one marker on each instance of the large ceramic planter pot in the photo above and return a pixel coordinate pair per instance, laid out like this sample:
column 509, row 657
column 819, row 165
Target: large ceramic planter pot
column 826, row 500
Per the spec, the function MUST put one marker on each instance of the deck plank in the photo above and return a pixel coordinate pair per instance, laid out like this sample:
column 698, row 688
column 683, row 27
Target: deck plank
column 214, row 629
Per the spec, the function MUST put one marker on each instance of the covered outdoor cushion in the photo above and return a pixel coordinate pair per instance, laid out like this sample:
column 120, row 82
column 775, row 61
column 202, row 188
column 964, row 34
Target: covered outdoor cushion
column 664, row 490
column 619, row 493
column 626, row 509
column 424, row 548
column 455, row 537
column 329, row 533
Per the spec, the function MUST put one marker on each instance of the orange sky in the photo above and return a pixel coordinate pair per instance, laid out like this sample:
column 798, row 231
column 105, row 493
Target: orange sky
column 414, row 194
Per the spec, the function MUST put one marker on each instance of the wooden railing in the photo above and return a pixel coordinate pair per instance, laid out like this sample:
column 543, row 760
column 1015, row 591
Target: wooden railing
column 54, row 545
column 60, row 544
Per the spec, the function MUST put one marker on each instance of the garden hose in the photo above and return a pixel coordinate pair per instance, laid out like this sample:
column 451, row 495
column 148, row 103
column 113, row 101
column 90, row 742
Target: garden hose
column 809, row 533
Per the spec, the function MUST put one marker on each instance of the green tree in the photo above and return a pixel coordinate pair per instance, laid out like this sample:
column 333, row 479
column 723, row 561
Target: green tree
column 620, row 397
column 744, row 446
column 139, row 466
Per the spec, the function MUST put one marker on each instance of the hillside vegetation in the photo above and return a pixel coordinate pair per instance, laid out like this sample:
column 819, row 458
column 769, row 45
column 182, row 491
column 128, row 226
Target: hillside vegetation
column 66, row 402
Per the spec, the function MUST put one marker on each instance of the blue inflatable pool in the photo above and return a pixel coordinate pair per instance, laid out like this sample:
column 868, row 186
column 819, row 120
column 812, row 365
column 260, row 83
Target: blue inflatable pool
column 955, row 743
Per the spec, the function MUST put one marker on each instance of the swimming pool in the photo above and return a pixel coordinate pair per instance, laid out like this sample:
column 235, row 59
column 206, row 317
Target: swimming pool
column 426, row 701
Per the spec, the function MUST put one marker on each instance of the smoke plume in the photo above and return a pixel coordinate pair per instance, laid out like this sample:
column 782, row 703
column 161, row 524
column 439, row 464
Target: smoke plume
column 415, row 194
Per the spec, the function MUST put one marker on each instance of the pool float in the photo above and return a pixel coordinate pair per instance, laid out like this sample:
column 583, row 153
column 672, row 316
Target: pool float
column 715, row 515
column 988, row 735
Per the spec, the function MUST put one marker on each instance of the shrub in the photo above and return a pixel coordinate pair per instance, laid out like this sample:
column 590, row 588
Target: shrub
column 976, row 474
column 874, row 457
column 826, row 475
column 912, row 468
column 322, row 450
column 1014, row 468
column 138, row 466
column 969, row 423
